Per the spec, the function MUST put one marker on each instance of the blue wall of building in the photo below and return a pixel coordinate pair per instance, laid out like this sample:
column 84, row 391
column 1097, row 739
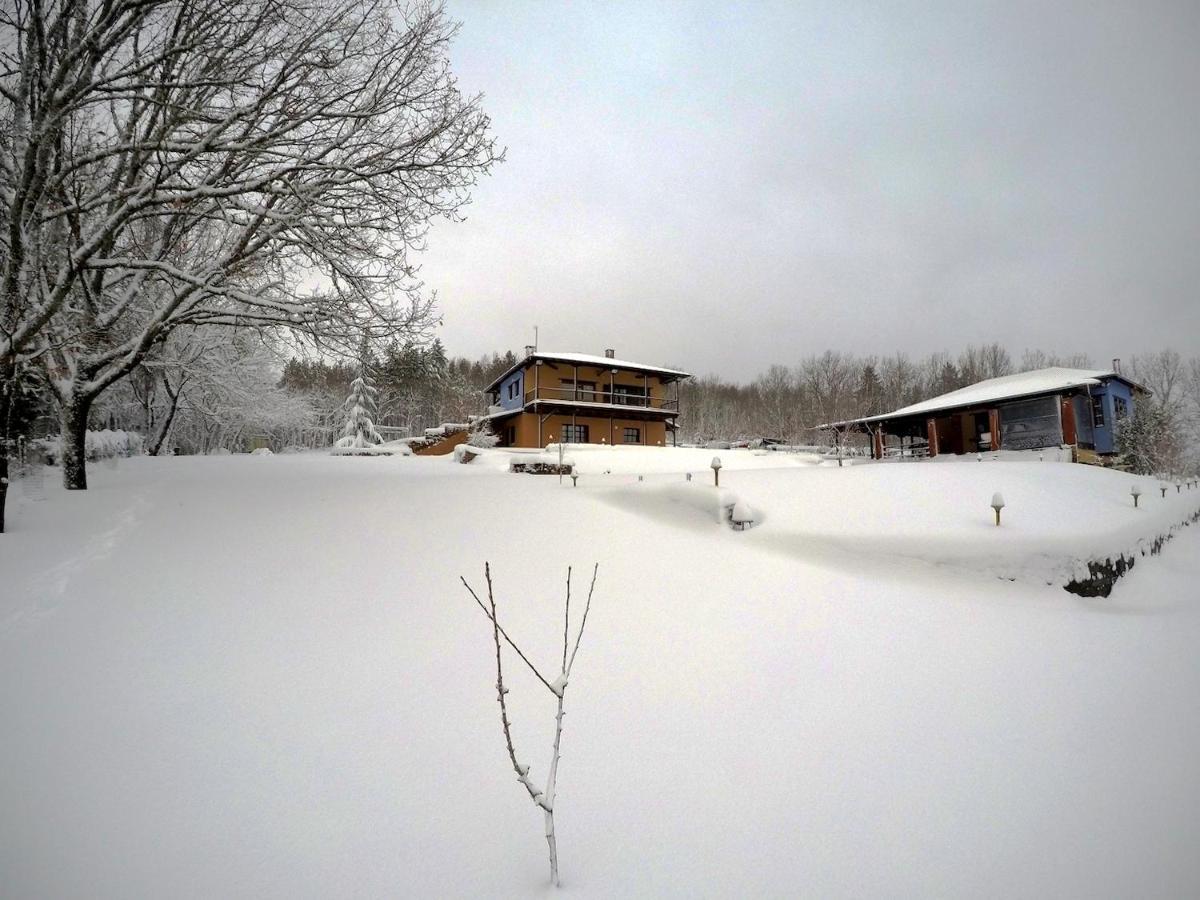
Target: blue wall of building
column 1108, row 392
column 517, row 401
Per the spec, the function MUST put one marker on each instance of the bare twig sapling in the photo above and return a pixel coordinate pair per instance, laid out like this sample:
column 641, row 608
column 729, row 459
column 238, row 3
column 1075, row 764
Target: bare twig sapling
column 543, row 799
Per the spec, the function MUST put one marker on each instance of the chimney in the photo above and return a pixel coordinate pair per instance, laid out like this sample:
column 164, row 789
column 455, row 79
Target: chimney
column 1117, row 364
column 610, row 354
column 530, row 349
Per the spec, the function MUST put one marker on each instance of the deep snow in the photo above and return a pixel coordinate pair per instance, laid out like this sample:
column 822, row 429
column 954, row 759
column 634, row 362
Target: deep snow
column 259, row 676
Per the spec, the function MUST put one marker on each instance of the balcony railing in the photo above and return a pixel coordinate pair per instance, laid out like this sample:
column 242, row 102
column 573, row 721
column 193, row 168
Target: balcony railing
column 606, row 398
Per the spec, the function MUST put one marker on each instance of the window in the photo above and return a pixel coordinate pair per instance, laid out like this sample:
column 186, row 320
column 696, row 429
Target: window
column 512, row 435
column 513, row 388
column 1121, row 407
column 1098, row 412
column 574, row 434
column 1030, row 424
column 633, row 436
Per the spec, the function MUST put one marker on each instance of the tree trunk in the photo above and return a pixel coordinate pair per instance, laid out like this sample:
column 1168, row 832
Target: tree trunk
column 73, row 419
column 8, row 390
column 3, row 478
column 165, row 429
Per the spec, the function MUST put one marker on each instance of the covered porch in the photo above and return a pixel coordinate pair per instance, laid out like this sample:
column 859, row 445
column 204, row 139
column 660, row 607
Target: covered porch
column 1025, row 424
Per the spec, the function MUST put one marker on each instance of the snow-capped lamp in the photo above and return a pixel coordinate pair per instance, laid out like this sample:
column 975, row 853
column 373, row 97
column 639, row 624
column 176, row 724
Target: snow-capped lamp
column 1178, row 488
column 574, row 480
column 1162, row 487
column 1135, row 492
column 997, row 505
column 716, row 467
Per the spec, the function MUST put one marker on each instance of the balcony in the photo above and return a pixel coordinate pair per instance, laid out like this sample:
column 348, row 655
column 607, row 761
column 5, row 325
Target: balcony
column 604, row 398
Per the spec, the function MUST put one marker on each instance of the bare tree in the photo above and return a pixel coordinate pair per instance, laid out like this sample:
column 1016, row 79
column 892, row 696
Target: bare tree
column 218, row 162
column 543, row 799
column 1164, row 373
column 778, row 402
column 984, row 362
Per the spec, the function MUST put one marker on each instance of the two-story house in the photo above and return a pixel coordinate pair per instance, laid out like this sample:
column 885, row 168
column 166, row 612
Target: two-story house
column 575, row 398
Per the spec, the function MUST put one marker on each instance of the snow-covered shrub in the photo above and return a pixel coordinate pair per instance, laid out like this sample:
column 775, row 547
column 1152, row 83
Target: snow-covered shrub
column 105, row 444
column 465, row 453
column 481, row 435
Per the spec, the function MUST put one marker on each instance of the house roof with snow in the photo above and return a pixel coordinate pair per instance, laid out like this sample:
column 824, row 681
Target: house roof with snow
column 1006, row 387
column 584, row 359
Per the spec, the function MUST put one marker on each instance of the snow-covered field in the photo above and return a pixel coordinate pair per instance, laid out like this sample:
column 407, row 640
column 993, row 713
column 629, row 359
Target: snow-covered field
column 259, row 676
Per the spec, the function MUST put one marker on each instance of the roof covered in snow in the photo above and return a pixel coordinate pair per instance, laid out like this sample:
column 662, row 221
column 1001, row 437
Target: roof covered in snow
column 585, row 359
column 1007, row 387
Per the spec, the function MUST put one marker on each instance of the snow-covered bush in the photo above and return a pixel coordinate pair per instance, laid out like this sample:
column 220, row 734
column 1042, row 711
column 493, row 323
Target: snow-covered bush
column 105, row 444
column 481, row 435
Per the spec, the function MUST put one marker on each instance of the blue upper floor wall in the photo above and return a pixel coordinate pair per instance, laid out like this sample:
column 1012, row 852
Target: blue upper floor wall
column 512, row 390
column 1112, row 401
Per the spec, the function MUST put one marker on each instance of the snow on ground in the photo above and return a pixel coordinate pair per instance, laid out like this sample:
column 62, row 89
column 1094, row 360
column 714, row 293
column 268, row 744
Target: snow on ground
column 259, row 676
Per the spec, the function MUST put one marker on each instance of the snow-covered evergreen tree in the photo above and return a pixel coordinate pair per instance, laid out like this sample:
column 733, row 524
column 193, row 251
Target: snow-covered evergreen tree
column 359, row 430
column 1149, row 442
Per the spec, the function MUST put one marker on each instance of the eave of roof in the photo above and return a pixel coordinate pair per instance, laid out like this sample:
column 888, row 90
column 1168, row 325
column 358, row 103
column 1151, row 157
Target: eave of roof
column 583, row 359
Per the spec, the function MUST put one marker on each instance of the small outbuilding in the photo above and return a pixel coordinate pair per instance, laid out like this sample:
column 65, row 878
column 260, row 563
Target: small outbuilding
column 1056, row 407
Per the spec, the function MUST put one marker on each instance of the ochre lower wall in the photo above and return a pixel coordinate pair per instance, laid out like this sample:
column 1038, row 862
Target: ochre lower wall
column 600, row 430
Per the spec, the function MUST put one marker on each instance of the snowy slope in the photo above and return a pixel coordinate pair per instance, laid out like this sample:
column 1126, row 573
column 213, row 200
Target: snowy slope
column 248, row 677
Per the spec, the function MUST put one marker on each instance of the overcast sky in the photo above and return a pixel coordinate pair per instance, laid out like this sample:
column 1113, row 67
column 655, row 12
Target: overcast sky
column 721, row 187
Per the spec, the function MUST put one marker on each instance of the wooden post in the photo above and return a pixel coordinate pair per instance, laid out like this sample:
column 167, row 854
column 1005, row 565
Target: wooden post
column 931, row 429
column 994, row 427
column 878, row 443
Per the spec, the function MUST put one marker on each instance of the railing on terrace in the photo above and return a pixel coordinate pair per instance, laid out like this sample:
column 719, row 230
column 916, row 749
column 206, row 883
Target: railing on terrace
column 609, row 398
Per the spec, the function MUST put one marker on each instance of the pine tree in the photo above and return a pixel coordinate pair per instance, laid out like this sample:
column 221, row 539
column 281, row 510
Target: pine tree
column 1149, row 443
column 359, row 431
